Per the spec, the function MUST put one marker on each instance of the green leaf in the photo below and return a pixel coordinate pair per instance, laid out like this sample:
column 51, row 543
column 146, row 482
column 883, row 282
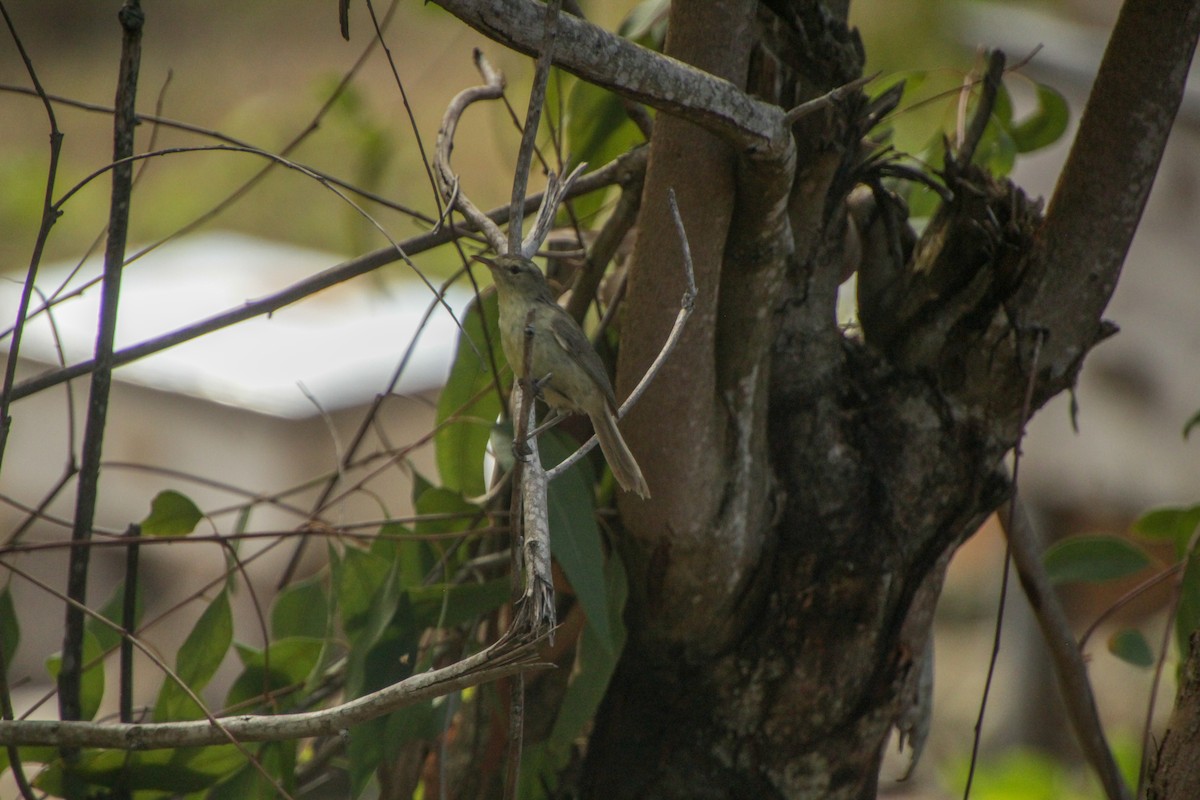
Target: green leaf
column 248, row 783
column 171, row 514
column 996, row 149
column 460, row 444
column 574, row 536
column 370, row 611
column 1002, row 108
column 1131, row 646
column 301, row 609
column 1093, row 559
column 611, row 132
column 415, row 557
column 181, row 771
column 198, row 658
column 357, row 579
column 285, row 663
column 10, row 629
column 1045, row 125
column 442, row 510
column 1187, row 616
column 1192, row 422
column 389, row 660
column 112, row 610
column 91, row 687
column 448, row 605
column 594, row 666
column 1176, row 524
column 1018, row 774
column 597, row 130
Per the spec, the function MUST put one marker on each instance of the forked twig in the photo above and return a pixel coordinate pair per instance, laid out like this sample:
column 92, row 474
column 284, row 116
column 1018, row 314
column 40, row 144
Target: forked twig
column 533, row 116
column 492, row 89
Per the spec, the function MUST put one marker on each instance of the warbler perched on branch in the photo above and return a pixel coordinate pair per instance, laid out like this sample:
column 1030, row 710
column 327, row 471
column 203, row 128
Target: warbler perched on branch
column 572, row 375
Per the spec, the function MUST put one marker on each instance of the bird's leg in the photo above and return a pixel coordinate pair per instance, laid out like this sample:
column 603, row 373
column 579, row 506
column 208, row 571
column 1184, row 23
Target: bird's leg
column 548, row 423
column 521, row 449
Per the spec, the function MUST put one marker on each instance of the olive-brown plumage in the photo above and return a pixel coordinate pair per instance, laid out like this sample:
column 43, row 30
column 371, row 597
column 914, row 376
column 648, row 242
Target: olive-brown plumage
column 577, row 381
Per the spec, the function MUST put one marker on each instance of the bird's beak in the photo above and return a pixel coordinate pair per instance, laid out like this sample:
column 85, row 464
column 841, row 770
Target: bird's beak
column 487, row 262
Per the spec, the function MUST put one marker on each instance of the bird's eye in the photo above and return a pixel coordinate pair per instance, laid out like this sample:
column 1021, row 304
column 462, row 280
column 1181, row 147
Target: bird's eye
column 514, row 269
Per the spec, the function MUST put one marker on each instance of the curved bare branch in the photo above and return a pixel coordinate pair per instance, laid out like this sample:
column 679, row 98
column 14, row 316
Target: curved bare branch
column 634, row 72
column 1099, row 199
column 498, row 661
column 492, row 89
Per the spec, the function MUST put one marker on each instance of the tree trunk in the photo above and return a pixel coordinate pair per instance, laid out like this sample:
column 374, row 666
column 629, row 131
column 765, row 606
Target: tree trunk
column 810, row 486
column 1175, row 769
column 781, row 615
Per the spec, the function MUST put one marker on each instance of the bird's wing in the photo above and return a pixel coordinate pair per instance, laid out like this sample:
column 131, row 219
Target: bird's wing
column 570, row 337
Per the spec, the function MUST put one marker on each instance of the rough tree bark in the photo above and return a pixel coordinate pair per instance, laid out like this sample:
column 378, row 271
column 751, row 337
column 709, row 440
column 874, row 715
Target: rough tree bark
column 809, row 486
column 1175, row 769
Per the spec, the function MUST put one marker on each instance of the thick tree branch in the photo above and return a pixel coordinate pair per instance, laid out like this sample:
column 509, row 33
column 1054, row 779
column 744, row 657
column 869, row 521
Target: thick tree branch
column 1175, row 768
column 496, row 662
column 634, row 72
column 1103, row 188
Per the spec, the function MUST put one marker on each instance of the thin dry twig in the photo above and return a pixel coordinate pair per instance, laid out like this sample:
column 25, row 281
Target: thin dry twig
column 686, row 304
column 1070, row 668
column 492, row 89
column 502, row 659
column 533, row 115
column 339, row 273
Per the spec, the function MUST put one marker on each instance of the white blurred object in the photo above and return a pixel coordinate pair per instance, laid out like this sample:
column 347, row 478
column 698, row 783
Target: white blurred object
column 342, row 344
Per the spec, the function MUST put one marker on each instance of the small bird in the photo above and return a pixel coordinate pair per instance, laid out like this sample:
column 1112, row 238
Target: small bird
column 574, row 377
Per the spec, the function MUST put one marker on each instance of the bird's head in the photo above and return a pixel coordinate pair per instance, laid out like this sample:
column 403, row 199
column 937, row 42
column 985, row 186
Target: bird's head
column 516, row 273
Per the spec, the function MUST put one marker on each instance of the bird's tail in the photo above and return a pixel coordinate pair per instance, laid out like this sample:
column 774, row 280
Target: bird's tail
column 622, row 463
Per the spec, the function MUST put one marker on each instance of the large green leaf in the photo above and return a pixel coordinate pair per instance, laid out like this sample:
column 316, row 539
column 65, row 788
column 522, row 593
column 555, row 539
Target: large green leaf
column 415, row 557
column 171, row 514
column 180, row 771
column 91, row 688
column 1093, row 559
column 1175, row 524
column 460, row 444
column 10, row 630
column 441, row 511
column 278, row 759
column 112, row 610
column 574, row 536
column 1131, row 646
column 198, row 658
column 358, row 577
column 594, row 667
column 1192, row 422
column 389, row 659
column 301, row 609
column 598, row 129
column 286, row 663
column 375, row 617
column 449, row 605
column 1187, row 616
column 1045, row 125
